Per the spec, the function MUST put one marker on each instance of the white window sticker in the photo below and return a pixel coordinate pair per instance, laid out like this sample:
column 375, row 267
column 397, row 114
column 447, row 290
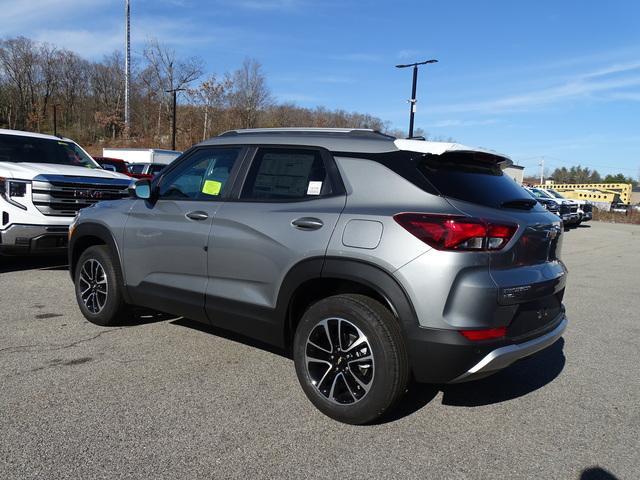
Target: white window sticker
column 314, row 188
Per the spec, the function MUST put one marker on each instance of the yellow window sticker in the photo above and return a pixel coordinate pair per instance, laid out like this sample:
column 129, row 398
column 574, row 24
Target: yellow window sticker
column 211, row 187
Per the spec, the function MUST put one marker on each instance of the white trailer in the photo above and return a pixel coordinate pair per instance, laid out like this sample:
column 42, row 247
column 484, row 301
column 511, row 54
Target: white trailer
column 142, row 155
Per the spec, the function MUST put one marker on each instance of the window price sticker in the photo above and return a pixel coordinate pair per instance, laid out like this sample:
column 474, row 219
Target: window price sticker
column 314, row 188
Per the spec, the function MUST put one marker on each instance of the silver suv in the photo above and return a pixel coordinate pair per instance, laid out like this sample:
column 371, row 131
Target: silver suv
column 374, row 260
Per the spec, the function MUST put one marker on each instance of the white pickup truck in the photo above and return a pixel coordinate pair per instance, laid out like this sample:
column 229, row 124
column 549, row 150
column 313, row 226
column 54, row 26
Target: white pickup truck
column 44, row 181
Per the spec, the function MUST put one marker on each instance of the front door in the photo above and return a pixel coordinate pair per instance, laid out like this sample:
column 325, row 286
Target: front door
column 166, row 240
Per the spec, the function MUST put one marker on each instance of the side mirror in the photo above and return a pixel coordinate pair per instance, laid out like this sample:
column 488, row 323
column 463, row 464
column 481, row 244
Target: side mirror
column 141, row 189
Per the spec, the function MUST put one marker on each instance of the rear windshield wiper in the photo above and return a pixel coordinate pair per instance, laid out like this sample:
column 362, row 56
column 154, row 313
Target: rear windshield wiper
column 522, row 203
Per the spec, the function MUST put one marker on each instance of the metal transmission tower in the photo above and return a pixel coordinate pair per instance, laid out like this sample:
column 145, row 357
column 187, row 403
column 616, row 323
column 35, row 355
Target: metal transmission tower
column 127, row 66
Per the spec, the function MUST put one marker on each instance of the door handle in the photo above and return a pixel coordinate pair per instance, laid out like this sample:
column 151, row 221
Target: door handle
column 307, row 223
column 197, row 215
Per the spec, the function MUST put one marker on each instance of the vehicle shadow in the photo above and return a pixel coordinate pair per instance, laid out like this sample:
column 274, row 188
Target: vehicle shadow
column 143, row 316
column 22, row 263
column 582, row 225
column 229, row 335
column 518, row 380
column 597, row 473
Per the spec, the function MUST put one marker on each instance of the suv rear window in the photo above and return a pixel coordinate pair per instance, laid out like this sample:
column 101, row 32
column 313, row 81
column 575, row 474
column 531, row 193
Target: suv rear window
column 471, row 177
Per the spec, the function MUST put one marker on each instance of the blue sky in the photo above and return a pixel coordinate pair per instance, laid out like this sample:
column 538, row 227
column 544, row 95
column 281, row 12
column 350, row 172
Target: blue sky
column 559, row 79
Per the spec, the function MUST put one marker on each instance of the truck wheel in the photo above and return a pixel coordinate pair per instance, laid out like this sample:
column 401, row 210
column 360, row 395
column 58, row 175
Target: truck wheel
column 350, row 358
column 98, row 285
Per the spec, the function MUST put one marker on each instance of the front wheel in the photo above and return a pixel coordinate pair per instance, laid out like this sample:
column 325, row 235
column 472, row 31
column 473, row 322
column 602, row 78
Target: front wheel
column 98, row 285
column 350, row 358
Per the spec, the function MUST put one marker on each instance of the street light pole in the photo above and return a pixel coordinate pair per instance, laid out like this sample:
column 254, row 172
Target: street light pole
column 127, row 67
column 413, row 100
column 173, row 123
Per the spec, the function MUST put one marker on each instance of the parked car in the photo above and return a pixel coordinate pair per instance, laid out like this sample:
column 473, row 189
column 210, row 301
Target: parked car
column 547, row 203
column 620, row 207
column 143, row 162
column 113, row 165
column 585, row 209
column 145, row 170
column 567, row 208
column 373, row 259
column 44, row 181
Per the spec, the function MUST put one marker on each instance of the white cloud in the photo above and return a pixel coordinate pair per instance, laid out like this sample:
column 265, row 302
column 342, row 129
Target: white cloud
column 296, row 97
column 265, row 4
column 595, row 84
column 21, row 17
column 632, row 96
column 333, row 79
column 463, row 123
column 357, row 57
column 408, row 53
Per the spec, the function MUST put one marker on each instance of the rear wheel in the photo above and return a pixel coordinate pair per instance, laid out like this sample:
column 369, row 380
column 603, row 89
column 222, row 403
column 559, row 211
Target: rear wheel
column 99, row 287
column 350, row 358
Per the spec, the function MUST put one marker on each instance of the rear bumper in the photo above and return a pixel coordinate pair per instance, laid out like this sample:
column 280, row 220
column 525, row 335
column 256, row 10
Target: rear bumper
column 504, row 356
column 22, row 238
column 445, row 356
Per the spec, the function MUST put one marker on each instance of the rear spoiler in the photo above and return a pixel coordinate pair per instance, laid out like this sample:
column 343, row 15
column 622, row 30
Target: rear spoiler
column 442, row 148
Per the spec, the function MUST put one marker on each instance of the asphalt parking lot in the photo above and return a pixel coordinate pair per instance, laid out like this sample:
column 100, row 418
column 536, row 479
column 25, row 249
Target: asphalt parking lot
column 170, row 399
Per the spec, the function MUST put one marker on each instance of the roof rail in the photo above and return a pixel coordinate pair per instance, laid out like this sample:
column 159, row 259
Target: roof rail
column 347, row 132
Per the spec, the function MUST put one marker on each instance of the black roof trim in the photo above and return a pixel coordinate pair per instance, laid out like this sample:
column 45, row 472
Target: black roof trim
column 359, row 133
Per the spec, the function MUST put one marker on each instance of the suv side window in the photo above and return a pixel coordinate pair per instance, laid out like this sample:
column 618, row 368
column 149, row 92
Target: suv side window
column 202, row 177
column 286, row 174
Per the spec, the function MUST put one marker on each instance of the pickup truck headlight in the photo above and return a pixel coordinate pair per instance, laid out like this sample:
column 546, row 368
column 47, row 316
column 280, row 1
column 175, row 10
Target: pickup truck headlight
column 11, row 189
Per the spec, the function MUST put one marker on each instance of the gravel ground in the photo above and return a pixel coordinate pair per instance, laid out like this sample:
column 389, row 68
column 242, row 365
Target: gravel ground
column 171, row 399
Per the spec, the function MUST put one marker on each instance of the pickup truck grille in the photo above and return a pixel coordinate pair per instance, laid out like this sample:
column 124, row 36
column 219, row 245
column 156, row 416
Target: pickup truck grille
column 63, row 196
column 574, row 208
column 565, row 208
column 587, row 207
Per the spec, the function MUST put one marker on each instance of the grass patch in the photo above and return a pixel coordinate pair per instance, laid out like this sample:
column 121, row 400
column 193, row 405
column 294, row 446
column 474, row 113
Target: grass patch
column 615, row 217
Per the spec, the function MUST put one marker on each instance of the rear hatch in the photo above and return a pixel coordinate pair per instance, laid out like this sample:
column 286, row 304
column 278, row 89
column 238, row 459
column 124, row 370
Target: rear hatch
column 528, row 272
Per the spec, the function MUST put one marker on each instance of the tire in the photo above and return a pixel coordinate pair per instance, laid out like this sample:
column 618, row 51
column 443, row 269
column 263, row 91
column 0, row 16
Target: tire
column 97, row 270
column 349, row 384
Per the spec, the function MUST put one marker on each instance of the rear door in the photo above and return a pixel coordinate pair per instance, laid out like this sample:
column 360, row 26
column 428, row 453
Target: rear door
column 284, row 212
column 165, row 241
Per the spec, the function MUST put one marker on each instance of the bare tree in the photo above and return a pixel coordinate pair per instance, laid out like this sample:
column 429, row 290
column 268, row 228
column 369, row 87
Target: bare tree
column 19, row 61
column 250, row 94
column 33, row 76
column 166, row 71
column 212, row 95
column 107, row 86
column 73, row 85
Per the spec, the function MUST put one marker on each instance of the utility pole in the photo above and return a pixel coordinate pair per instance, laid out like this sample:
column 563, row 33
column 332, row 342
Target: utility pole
column 127, row 67
column 173, row 122
column 413, row 100
column 541, row 165
column 55, row 118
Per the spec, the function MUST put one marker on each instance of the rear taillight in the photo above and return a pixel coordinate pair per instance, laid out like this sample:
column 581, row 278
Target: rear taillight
column 451, row 232
column 484, row 334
